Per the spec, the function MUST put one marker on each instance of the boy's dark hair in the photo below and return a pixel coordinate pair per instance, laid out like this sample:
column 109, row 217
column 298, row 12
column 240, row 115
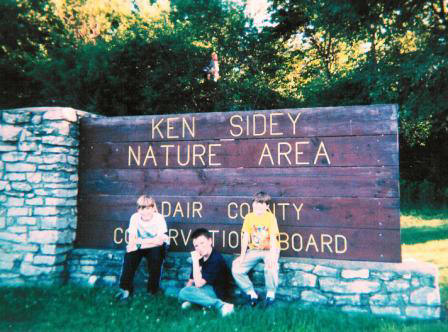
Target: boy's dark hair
column 201, row 231
column 262, row 197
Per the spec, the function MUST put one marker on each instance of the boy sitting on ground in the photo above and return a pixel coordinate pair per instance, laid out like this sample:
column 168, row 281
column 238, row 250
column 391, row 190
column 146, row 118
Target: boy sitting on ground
column 209, row 279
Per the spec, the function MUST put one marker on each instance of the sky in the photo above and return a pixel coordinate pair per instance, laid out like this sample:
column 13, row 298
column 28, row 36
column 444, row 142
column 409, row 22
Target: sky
column 258, row 11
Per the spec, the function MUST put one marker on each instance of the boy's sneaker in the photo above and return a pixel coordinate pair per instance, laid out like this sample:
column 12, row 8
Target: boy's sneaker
column 249, row 300
column 253, row 301
column 186, row 305
column 268, row 302
column 226, row 309
column 122, row 295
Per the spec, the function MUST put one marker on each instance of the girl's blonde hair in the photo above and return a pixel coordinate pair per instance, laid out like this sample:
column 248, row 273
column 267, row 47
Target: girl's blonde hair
column 145, row 200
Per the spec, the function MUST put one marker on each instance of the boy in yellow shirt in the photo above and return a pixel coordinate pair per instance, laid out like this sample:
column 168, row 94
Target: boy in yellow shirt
column 260, row 232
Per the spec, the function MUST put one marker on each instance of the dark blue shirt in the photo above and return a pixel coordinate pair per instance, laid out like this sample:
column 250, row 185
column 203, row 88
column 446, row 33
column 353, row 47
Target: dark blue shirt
column 216, row 273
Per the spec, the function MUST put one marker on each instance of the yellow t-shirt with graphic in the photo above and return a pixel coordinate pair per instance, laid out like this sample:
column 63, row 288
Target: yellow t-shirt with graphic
column 260, row 229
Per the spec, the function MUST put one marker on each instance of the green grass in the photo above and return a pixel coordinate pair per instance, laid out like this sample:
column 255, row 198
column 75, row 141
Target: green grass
column 424, row 236
column 71, row 308
column 414, row 235
column 426, row 240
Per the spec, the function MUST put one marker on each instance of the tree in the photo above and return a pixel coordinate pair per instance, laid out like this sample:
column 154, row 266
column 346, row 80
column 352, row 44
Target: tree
column 405, row 63
column 22, row 37
column 90, row 20
column 253, row 65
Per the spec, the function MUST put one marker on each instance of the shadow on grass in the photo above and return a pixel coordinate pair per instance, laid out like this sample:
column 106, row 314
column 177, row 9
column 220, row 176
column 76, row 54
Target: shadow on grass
column 414, row 235
column 19, row 305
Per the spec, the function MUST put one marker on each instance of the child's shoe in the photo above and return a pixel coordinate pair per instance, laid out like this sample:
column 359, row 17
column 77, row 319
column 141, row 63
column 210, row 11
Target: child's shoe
column 186, row 305
column 253, row 301
column 249, row 300
column 268, row 302
column 122, row 295
column 226, row 309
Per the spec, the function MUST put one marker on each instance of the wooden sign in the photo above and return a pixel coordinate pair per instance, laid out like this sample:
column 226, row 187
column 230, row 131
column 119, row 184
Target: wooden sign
column 332, row 172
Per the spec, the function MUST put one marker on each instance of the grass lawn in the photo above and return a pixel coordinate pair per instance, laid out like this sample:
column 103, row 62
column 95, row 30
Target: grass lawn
column 71, row 308
column 426, row 239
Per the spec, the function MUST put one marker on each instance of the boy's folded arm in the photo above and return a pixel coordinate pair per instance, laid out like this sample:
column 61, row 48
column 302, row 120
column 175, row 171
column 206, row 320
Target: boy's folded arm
column 164, row 237
column 148, row 245
column 156, row 241
column 274, row 251
column 244, row 244
column 199, row 281
column 131, row 246
column 273, row 248
column 133, row 240
column 148, row 241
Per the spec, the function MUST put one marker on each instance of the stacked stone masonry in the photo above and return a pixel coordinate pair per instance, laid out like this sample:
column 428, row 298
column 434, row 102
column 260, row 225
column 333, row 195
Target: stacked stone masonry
column 38, row 199
column 406, row 290
column 38, row 193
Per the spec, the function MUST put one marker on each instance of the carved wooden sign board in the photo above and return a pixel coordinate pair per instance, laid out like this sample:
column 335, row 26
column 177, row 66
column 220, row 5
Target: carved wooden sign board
column 332, row 173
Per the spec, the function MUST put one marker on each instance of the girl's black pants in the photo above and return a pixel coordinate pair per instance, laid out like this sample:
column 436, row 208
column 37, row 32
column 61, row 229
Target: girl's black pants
column 154, row 259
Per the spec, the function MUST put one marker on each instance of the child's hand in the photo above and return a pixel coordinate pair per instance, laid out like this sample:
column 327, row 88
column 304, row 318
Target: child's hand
column 189, row 283
column 195, row 255
column 158, row 241
column 131, row 247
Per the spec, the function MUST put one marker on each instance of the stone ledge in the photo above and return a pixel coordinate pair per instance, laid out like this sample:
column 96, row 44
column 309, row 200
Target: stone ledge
column 57, row 113
column 383, row 289
column 415, row 266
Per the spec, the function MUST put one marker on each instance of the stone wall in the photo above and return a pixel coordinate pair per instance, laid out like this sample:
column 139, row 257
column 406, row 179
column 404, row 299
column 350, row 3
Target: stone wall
column 403, row 290
column 38, row 190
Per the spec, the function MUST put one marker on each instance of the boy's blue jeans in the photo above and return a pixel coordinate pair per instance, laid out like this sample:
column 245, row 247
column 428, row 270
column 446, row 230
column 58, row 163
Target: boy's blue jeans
column 204, row 296
column 252, row 258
